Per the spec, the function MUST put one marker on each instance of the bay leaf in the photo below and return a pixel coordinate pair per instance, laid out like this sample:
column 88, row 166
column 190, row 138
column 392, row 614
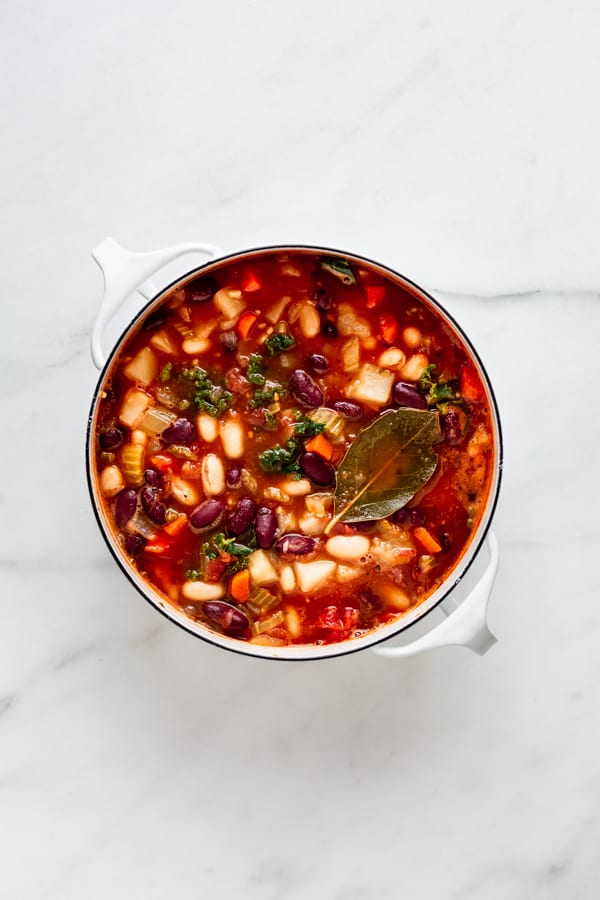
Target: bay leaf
column 386, row 465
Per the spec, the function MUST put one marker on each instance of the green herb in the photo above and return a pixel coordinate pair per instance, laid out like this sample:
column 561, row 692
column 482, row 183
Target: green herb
column 308, row 427
column 193, row 574
column 270, row 419
column 209, row 551
column 281, row 459
column 278, row 343
column 209, row 397
column 437, row 391
column 165, row 372
column 267, row 396
column 386, row 465
column 340, row 268
column 254, row 372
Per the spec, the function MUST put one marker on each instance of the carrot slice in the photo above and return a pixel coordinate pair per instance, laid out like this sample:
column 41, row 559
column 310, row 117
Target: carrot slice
column 239, row 586
column 250, row 282
column 175, row 527
column 388, row 326
column 319, row 444
column 470, row 386
column 375, row 294
column 246, row 323
column 162, row 462
column 427, row 540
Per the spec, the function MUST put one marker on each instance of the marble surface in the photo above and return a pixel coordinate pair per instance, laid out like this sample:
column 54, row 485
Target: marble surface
column 456, row 142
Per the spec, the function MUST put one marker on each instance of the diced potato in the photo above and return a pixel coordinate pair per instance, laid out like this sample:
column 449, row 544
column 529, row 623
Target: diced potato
column 373, row 386
column 111, row 481
column 311, row 575
column 143, row 368
column 394, row 596
column 135, row 403
column 348, row 323
column 202, row 590
column 187, row 494
column 351, row 354
column 345, row 574
column 348, row 546
column 292, row 622
column 275, row 312
column 161, row 340
column 208, row 427
column 287, row 579
column 414, row 367
column 261, row 568
column 229, row 302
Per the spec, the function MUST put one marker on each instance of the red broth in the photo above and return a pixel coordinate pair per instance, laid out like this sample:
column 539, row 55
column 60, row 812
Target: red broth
column 226, row 420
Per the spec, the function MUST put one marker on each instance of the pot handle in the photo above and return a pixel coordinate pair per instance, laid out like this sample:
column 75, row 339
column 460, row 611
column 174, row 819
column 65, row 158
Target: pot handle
column 125, row 272
column 466, row 624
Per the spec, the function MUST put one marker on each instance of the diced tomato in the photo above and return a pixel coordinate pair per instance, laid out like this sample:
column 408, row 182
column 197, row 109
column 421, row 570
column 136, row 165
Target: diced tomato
column 250, row 282
column 216, row 567
column 163, row 574
column 160, row 544
column 175, row 527
column 350, row 617
column 470, row 385
column 388, row 327
column 329, row 617
column 162, row 461
column 375, row 294
column 246, row 323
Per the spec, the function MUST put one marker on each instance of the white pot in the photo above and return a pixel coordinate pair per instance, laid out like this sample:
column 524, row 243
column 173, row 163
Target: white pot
column 463, row 601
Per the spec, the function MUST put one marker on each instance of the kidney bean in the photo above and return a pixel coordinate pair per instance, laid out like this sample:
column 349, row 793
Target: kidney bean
column 304, row 389
column 180, row 432
column 242, row 517
column 400, row 516
column 201, row 289
column 134, row 544
column 153, row 507
column 316, row 468
column 125, row 507
column 328, row 329
column 323, row 298
column 111, row 438
column 155, row 320
column 233, row 477
column 348, row 409
column 229, row 340
column 153, row 478
column 408, row 395
column 295, row 545
column 266, row 526
column 417, row 517
column 207, row 514
column 454, row 424
column 318, row 363
column 228, row 617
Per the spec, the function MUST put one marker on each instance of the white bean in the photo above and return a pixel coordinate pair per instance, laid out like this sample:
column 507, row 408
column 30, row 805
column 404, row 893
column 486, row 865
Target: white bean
column 186, row 493
column 344, row 574
column 208, row 428
column 232, row 438
column 292, row 622
column 195, row 346
column 111, row 481
column 297, row 488
column 351, row 546
column 412, row 337
column 414, row 367
column 391, row 358
column 212, row 475
column 310, row 321
column 312, row 525
column 201, row 590
column 139, row 437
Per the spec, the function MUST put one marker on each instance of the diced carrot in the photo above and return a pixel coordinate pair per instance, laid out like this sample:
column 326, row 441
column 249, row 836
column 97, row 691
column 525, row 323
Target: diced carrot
column 470, row 385
column 160, row 543
column 250, row 282
column 162, row 462
column 246, row 323
column 388, row 326
column 427, row 540
column 375, row 295
column 162, row 573
column 319, row 444
column 239, row 586
column 175, row 527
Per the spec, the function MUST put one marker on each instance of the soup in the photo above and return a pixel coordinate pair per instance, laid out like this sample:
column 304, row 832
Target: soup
column 293, row 448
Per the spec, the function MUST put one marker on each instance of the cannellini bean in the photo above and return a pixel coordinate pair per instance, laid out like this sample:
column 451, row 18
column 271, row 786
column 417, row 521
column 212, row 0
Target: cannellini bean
column 310, row 321
column 201, row 590
column 394, row 596
column 312, row 525
column 391, row 358
column 208, row 428
column 111, row 481
column 412, row 337
column 286, row 520
column 414, row 367
column 232, row 438
column 287, row 579
column 184, row 492
column 351, row 546
column 195, row 346
column 344, row 574
column 292, row 622
column 274, row 493
column 213, row 475
column 318, row 504
column 297, row 488
column 139, row 437
column 291, row 270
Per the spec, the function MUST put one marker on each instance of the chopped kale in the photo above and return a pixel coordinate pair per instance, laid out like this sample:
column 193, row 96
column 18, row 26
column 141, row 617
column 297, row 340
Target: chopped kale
column 165, row 372
column 436, row 391
column 255, row 370
column 307, row 428
column 272, row 391
column 281, row 459
column 209, row 397
column 279, row 343
column 193, row 574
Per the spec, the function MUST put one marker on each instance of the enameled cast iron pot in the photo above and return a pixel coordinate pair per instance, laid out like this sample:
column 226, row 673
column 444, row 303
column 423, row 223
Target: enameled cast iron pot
column 465, row 608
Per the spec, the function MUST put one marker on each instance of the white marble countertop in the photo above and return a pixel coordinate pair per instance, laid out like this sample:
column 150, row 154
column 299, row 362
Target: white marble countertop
column 457, row 143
